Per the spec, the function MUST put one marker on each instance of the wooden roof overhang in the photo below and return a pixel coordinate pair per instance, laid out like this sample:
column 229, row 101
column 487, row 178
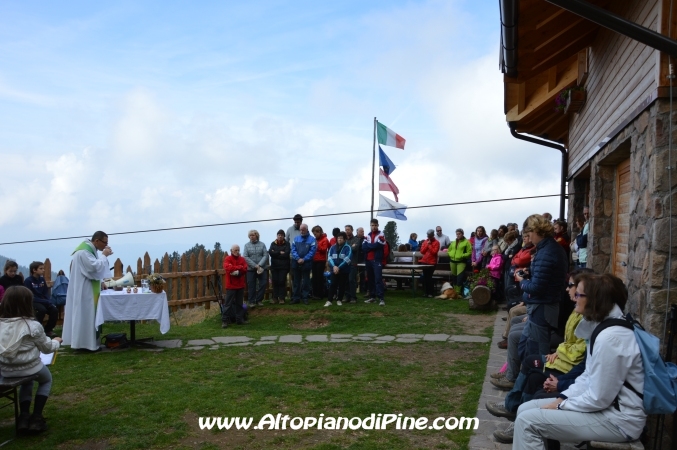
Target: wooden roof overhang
column 549, row 54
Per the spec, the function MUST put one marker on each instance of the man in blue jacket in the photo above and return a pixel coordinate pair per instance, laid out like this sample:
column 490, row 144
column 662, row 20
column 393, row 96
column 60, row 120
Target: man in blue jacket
column 303, row 249
column 373, row 246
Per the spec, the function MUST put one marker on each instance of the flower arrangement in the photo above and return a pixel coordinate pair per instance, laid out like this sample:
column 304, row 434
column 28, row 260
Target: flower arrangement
column 481, row 278
column 156, row 283
column 566, row 97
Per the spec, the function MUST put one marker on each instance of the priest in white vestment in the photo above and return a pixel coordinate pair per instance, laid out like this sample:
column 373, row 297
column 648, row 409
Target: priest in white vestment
column 88, row 269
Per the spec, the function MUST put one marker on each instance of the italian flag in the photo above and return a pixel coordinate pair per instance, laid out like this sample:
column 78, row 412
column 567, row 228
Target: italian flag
column 388, row 137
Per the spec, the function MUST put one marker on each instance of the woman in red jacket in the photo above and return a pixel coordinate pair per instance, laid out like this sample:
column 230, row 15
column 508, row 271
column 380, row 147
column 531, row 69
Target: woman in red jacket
column 429, row 249
column 319, row 263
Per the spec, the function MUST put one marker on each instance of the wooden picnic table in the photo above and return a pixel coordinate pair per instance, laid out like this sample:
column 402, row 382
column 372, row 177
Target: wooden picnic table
column 412, row 268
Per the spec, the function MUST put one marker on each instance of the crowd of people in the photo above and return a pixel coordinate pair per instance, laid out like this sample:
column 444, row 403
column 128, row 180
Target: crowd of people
column 559, row 389
column 319, row 268
column 545, row 333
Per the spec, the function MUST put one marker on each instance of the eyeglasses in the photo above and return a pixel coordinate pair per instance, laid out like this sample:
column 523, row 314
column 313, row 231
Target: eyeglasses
column 577, row 295
column 570, row 285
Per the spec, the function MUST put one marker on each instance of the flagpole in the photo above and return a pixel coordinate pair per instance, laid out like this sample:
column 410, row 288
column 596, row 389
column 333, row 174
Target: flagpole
column 373, row 171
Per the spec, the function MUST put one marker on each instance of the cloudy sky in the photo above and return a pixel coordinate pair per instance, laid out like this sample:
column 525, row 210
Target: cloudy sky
column 135, row 115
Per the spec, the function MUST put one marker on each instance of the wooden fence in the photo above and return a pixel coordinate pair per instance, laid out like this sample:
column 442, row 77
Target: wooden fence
column 191, row 280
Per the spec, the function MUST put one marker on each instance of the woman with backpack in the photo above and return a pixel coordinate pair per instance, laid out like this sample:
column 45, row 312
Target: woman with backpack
column 603, row 404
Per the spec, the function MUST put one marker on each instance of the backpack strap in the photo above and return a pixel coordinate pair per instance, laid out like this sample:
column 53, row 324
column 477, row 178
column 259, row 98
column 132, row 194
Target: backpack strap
column 606, row 324
column 626, row 323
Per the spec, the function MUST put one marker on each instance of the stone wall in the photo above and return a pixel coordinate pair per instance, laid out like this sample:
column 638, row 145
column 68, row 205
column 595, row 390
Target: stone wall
column 645, row 141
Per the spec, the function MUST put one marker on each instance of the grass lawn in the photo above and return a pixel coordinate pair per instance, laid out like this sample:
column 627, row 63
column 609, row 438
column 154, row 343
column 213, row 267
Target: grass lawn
column 143, row 399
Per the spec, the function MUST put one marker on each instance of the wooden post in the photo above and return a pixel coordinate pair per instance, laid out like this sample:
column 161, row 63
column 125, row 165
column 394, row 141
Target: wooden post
column 192, row 280
column 139, row 268
column 146, row 264
column 165, row 269
column 200, row 280
column 48, row 273
column 117, row 269
column 208, row 288
column 175, row 282
column 156, row 266
column 184, row 280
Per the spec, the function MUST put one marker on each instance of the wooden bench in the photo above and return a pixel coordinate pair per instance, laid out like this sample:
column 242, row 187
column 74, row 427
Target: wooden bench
column 8, row 390
column 398, row 270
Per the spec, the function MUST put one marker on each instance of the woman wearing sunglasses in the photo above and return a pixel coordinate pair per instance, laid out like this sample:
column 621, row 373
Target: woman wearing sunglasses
column 599, row 405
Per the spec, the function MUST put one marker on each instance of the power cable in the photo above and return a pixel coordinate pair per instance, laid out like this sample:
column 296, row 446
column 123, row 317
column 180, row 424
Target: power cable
column 281, row 218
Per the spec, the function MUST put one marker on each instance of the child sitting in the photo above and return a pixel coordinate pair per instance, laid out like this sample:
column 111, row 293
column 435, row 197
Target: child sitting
column 9, row 275
column 21, row 341
column 495, row 265
column 41, row 303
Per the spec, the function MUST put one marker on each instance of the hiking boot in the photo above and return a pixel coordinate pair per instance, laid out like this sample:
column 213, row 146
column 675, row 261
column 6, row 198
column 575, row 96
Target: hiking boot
column 243, row 322
column 37, row 424
column 504, row 319
column 281, row 301
column 273, row 301
column 353, row 301
column 503, row 344
column 23, row 423
column 381, row 303
column 505, row 436
column 371, row 300
column 339, row 303
column 498, row 409
column 328, row 303
column 498, row 375
column 224, row 324
column 251, row 305
column 259, row 304
column 503, row 384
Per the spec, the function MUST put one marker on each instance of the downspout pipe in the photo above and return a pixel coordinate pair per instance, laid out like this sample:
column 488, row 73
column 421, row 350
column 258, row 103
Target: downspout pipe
column 565, row 162
column 618, row 24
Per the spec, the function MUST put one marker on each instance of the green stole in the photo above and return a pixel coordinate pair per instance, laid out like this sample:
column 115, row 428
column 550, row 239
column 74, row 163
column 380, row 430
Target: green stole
column 96, row 284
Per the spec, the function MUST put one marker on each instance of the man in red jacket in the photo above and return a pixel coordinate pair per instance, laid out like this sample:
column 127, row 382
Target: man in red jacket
column 235, row 267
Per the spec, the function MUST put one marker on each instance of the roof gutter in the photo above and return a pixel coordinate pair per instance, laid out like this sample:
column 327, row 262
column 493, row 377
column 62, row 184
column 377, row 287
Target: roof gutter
column 508, row 61
column 618, row 24
column 565, row 162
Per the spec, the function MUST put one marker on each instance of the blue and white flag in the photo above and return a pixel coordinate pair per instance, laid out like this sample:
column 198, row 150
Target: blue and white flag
column 390, row 208
column 385, row 162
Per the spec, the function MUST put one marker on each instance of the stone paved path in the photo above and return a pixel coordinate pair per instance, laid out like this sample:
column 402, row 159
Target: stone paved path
column 373, row 338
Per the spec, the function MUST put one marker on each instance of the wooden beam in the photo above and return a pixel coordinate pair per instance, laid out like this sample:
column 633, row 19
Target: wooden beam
column 582, row 67
column 569, row 49
column 552, row 78
column 544, row 94
column 664, row 22
column 521, row 97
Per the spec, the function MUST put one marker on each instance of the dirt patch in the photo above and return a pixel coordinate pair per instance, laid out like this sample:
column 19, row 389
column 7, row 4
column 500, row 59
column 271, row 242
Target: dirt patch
column 377, row 314
column 311, row 324
column 69, row 398
column 187, row 317
column 472, row 323
column 277, row 312
column 85, row 445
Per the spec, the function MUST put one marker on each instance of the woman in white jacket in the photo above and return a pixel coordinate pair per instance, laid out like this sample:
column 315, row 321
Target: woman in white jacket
column 597, row 406
column 22, row 339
